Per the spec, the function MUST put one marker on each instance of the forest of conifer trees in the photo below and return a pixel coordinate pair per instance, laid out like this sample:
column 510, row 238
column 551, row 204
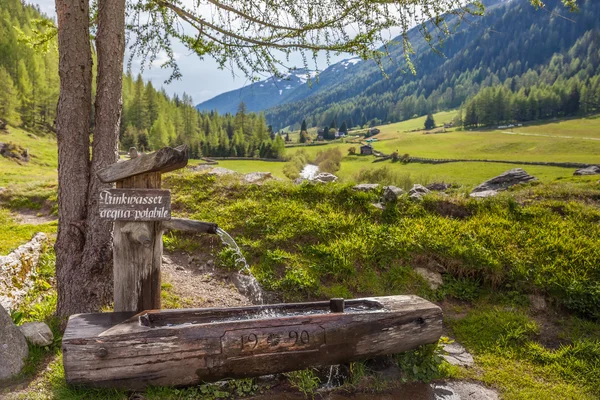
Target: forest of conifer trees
column 29, row 87
column 545, row 62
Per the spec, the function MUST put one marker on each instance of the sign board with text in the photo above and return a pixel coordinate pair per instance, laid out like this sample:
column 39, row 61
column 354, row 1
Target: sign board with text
column 135, row 205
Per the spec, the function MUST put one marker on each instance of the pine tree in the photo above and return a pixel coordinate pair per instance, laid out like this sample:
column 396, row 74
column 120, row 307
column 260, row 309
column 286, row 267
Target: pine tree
column 429, row 122
column 303, row 126
column 344, row 128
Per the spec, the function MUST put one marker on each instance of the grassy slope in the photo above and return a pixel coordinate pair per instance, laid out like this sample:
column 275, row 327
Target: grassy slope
column 29, row 186
column 391, row 130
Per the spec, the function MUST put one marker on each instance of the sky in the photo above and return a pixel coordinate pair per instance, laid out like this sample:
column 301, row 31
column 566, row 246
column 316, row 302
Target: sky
column 201, row 78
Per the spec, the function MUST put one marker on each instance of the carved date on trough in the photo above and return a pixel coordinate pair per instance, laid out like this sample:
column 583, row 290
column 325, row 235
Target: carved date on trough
column 190, row 346
column 135, row 204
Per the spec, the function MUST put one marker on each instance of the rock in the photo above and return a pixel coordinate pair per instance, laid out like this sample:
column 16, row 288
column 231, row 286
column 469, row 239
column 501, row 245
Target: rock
column 591, row 170
column 37, row 333
column 220, row 171
column 417, row 192
column 325, row 177
column 419, row 189
column 434, row 278
column 439, row 186
column 460, row 390
column 254, row 177
column 457, row 355
column 13, row 347
column 505, row 180
column 366, row 187
column 16, row 270
column 538, row 303
column 179, row 268
column 298, row 181
column 391, row 194
column 485, row 193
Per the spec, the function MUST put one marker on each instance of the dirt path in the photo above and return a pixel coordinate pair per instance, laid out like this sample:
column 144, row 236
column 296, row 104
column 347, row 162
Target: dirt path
column 198, row 283
column 32, row 217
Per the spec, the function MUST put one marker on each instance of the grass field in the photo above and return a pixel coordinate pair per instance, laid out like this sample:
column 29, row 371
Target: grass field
column 246, row 166
column 493, row 145
column 464, row 173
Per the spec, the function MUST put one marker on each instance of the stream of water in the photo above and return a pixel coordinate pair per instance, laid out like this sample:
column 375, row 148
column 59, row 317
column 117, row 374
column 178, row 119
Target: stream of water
column 243, row 280
column 309, row 172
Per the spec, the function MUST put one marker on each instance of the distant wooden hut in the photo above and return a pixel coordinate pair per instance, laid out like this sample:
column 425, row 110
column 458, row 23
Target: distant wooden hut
column 366, row 150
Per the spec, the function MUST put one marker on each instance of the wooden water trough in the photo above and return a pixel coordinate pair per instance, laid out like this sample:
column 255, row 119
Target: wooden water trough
column 184, row 347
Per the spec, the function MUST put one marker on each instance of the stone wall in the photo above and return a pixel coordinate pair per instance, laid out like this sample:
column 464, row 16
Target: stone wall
column 16, row 270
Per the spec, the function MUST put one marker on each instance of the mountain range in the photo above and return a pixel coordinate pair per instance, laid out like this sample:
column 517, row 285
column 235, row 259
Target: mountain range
column 512, row 39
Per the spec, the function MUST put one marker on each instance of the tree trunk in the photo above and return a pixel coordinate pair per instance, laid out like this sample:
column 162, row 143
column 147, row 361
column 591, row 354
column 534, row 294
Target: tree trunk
column 110, row 47
column 72, row 131
column 84, row 244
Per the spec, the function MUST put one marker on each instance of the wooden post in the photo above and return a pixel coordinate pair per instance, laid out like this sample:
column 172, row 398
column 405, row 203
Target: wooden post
column 137, row 233
column 137, row 255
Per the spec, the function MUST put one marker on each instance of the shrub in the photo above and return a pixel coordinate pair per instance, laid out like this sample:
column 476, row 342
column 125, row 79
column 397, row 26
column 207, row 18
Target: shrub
column 329, row 160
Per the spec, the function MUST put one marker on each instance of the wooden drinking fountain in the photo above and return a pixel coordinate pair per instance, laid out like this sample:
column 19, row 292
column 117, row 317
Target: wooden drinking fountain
column 186, row 347
column 140, row 345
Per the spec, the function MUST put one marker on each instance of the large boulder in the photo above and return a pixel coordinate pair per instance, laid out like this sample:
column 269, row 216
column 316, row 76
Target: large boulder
column 325, row 177
column 504, row 181
column 391, row 194
column 13, row 347
column 591, row 170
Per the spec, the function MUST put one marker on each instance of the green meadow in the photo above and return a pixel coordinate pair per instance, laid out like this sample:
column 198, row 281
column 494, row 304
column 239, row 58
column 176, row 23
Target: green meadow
column 475, row 145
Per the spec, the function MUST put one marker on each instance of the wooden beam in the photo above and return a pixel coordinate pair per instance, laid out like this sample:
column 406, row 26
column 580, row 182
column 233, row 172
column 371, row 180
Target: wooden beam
column 189, row 225
column 187, row 347
column 164, row 160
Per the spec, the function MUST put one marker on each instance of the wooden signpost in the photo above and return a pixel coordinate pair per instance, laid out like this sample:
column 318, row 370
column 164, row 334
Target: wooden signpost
column 141, row 211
